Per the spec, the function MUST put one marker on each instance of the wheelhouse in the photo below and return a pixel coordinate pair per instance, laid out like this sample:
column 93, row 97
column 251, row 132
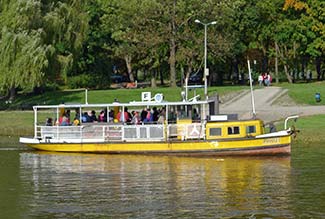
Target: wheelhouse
column 234, row 129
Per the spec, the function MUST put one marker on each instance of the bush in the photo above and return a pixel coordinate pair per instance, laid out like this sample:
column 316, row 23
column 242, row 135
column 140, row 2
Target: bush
column 88, row 81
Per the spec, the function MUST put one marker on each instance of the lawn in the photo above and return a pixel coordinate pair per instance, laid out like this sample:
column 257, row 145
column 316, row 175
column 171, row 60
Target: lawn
column 108, row 96
column 304, row 93
column 16, row 123
column 310, row 128
column 21, row 122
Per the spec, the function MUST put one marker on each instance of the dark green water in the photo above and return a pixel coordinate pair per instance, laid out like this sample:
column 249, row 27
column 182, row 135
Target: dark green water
column 58, row 185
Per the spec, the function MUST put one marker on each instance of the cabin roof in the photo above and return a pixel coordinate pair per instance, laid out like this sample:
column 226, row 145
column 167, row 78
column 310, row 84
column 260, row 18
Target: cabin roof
column 130, row 104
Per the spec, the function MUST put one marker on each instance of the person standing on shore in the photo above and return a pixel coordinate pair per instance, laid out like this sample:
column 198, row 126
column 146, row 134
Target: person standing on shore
column 260, row 80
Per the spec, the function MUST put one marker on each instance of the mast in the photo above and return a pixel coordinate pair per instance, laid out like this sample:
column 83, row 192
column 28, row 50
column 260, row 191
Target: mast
column 251, row 86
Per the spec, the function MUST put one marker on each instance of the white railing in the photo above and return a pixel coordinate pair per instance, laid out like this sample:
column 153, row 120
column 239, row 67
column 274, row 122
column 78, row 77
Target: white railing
column 127, row 133
column 104, row 132
column 187, row 131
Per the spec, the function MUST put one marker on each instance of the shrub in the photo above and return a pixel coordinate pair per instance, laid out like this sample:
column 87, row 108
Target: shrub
column 88, row 81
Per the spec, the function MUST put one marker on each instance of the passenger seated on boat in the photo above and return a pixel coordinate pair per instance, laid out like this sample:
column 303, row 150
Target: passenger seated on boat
column 143, row 114
column 64, row 118
column 64, row 121
column 272, row 127
column 101, row 117
column 77, row 114
column 161, row 118
column 195, row 116
column 48, row 122
column 76, row 121
column 92, row 116
column 111, row 116
column 129, row 115
column 155, row 114
column 85, row 117
column 172, row 117
column 136, row 119
column 67, row 114
column 125, row 117
column 149, row 117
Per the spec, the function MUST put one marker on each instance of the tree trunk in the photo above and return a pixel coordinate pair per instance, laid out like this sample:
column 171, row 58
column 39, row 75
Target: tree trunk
column 12, row 93
column 182, row 76
column 153, row 78
column 172, row 48
column 188, row 72
column 289, row 78
column 128, row 60
column 235, row 75
column 276, row 63
column 136, row 75
column 303, row 67
column 318, row 67
column 265, row 62
column 287, row 73
column 161, row 77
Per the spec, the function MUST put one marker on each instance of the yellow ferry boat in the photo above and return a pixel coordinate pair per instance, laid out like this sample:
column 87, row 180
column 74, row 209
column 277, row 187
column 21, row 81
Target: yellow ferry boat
column 187, row 127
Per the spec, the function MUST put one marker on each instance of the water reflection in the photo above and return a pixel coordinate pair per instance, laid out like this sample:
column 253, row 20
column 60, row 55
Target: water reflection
column 87, row 185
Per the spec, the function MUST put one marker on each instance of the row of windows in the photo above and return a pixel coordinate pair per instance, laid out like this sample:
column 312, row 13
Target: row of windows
column 232, row 130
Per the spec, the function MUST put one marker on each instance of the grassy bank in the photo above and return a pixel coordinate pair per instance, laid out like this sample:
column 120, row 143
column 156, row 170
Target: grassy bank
column 311, row 129
column 108, row 96
column 21, row 124
column 18, row 123
column 304, row 93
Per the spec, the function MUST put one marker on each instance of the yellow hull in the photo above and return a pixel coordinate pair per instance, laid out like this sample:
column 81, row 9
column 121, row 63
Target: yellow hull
column 245, row 146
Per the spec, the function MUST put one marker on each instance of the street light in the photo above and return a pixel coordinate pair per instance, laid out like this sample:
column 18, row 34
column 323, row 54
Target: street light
column 206, row 71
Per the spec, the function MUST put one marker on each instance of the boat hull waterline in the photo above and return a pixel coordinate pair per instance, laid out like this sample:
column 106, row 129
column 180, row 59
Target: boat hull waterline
column 261, row 146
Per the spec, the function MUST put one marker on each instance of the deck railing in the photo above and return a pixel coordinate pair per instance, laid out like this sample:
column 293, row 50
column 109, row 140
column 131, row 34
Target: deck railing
column 120, row 132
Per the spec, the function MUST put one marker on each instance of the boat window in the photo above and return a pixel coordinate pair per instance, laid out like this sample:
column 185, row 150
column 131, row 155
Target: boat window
column 251, row 129
column 215, row 131
column 233, row 130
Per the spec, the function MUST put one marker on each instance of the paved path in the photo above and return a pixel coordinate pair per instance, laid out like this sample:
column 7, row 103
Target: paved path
column 267, row 106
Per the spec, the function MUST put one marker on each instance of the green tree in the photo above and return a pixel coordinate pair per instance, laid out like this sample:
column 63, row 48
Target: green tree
column 311, row 19
column 95, row 61
column 23, row 54
column 66, row 27
column 39, row 41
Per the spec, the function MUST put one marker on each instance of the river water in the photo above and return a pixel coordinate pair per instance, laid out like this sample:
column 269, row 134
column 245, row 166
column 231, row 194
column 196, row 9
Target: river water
column 62, row 185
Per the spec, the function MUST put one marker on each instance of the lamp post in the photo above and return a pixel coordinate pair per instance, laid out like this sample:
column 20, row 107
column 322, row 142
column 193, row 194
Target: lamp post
column 206, row 71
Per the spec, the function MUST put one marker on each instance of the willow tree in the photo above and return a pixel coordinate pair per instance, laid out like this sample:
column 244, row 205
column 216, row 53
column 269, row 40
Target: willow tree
column 65, row 24
column 38, row 38
column 23, row 54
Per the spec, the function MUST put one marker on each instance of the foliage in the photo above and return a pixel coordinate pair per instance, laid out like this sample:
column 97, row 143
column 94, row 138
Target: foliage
column 94, row 58
column 87, row 81
column 39, row 41
column 72, row 42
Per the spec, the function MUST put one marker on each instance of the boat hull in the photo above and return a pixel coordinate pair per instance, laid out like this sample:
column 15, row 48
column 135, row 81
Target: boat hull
column 250, row 146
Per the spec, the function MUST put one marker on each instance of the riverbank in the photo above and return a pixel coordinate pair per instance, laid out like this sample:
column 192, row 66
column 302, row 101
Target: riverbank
column 20, row 123
column 311, row 127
